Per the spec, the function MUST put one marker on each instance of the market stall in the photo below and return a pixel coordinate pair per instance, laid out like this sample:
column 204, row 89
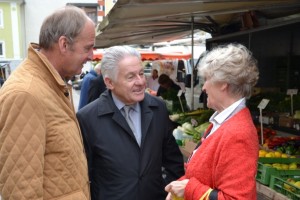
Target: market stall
column 228, row 21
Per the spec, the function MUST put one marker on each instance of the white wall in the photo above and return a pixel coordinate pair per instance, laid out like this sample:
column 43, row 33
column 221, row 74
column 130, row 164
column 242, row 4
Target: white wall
column 36, row 11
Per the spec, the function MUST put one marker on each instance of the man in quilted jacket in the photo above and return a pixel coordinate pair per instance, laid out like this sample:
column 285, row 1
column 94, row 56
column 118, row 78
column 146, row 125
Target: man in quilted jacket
column 41, row 150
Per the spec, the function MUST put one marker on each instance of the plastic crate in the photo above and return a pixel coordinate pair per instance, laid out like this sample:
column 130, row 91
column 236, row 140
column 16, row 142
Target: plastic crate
column 281, row 185
column 264, row 172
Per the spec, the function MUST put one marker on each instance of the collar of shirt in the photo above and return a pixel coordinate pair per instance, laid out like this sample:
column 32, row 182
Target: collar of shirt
column 136, row 115
column 217, row 119
column 120, row 104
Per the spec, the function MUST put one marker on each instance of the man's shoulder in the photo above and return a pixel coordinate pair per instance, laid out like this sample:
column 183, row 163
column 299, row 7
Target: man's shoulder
column 98, row 79
column 153, row 100
column 98, row 105
column 89, row 76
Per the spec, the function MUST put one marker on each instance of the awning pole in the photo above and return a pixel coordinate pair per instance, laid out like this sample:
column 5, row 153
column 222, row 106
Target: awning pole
column 193, row 65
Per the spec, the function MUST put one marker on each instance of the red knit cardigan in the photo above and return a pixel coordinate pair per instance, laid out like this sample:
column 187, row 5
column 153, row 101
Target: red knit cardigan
column 226, row 161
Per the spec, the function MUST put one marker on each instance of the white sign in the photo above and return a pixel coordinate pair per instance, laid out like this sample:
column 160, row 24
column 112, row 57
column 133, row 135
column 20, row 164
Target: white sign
column 292, row 91
column 179, row 93
column 262, row 105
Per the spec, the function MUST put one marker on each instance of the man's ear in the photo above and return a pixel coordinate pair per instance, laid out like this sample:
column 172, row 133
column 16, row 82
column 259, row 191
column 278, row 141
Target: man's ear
column 63, row 43
column 109, row 83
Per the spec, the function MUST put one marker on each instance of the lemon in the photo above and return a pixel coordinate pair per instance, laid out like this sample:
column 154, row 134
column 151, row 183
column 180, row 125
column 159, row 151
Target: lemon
column 270, row 155
column 277, row 154
column 277, row 166
column 287, row 187
column 262, row 153
column 297, row 184
column 292, row 166
column 284, row 166
column 177, row 198
column 284, row 155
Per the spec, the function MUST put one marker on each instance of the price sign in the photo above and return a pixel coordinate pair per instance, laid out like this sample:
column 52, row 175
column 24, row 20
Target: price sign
column 264, row 102
column 292, row 91
column 179, row 93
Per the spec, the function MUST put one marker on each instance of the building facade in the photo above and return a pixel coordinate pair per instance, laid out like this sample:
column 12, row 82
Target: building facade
column 20, row 23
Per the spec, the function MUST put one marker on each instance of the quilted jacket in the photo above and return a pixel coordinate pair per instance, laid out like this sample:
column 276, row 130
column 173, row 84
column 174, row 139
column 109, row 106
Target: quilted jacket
column 41, row 150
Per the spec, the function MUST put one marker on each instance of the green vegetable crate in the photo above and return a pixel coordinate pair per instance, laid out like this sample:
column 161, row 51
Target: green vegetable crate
column 283, row 186
column 264, row 172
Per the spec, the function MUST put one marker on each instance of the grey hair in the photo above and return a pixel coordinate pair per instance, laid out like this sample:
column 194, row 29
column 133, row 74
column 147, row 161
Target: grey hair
column 68, row 21
column 111, row 58
column 232, row 64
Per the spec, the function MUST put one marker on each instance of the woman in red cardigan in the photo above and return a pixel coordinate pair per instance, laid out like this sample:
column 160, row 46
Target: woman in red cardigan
column 224, row 165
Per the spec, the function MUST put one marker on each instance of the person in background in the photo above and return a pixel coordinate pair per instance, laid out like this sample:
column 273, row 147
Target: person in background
column 168, row 90
column 152, row 81
column 97, row 87
column 225, row 164
column 86, row 84
column 1, row 81
column 41, row 149
column 126, row 157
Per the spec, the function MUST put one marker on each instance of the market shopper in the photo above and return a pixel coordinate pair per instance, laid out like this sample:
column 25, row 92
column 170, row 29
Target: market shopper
column 152, row 81
column 128, row 163
column 225, row 164
column 86, row 85
column 41, row 149
column 168, row 90
column 97, row 87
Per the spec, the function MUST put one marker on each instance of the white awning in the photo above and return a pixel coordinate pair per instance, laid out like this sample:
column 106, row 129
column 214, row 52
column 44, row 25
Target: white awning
column 150, row 21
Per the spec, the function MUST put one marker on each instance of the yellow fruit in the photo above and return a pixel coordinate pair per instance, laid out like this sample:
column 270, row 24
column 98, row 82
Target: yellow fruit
column 262, row 153
column 277, row 166
column 284, row 166
column 177, row 198
column 297, row 184
column 293, row 166
column 270, row 155
column 277, row 154
column 284, row 155
column 287, row 187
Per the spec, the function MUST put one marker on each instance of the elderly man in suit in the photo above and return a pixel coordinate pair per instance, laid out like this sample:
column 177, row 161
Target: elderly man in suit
column 131, row 155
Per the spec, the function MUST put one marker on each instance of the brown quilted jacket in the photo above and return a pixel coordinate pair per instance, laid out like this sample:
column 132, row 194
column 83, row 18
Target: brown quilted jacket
column 41, row 149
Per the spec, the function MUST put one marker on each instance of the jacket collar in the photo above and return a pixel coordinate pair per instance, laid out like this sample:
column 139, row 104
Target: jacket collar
column 106, row 99
column 44, row 65
column 147, row 107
